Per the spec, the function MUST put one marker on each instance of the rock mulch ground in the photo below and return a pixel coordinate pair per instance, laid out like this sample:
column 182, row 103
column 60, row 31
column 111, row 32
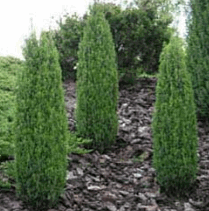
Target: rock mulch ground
column 122, row 179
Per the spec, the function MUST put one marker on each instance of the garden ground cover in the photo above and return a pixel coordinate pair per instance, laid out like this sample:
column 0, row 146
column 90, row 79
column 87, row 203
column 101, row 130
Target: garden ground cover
column 8, row 68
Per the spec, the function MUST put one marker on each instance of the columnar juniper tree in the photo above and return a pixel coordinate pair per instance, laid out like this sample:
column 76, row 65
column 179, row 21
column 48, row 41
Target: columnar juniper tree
column 197, row 54
column 174, row 122
column 97, row 83
column 41, row 125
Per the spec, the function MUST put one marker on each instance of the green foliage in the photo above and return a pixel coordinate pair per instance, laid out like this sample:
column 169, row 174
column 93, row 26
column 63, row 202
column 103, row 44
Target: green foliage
column 67, row 40
column 74, row 143
column 197, row 54
column 97, row 84
column 142, row 23
column 8, row 68
column 166, row 8
column 6, row 62
column 7, row 170
column 142, row 26
column 174, row 122
column 40, row 125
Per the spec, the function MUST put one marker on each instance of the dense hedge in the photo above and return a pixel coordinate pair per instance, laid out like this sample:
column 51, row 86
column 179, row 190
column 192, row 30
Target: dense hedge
column 40, row 125
column 197, row 54
column 8, row 67
column 97, row 83
column 137, row 32
column 174, row 122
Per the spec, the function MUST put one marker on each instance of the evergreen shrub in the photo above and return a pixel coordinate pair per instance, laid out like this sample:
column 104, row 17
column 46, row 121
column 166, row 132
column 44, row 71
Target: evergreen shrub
column 97, row 84
column 141, row 23
column 197, row 54
column 40, row 126
column 174, row 122
column 8, row 68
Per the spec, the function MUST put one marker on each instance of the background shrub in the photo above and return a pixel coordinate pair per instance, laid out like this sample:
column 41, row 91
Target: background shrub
column 40, row 125
column 145, row 37
column 66, row 41
column 97, row 83
column 8, row 68
column 174, row 122
column 197, row 54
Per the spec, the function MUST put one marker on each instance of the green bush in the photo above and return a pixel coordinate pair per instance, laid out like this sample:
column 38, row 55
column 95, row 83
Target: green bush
column 7, row 61
column 174, row 122
column 40, row 125
column 197, row 55
column 8, row 68
column 142, row 25
column 97, row 83
column 67, row 40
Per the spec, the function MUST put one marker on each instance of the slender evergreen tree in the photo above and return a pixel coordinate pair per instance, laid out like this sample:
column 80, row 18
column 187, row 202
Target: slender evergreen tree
column 40, row 125
column 97, row 83
column 198, row 54
column 174, row 122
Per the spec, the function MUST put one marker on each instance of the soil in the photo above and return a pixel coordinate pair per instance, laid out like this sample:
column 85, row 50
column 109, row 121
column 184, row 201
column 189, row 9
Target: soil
column 123, row 179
